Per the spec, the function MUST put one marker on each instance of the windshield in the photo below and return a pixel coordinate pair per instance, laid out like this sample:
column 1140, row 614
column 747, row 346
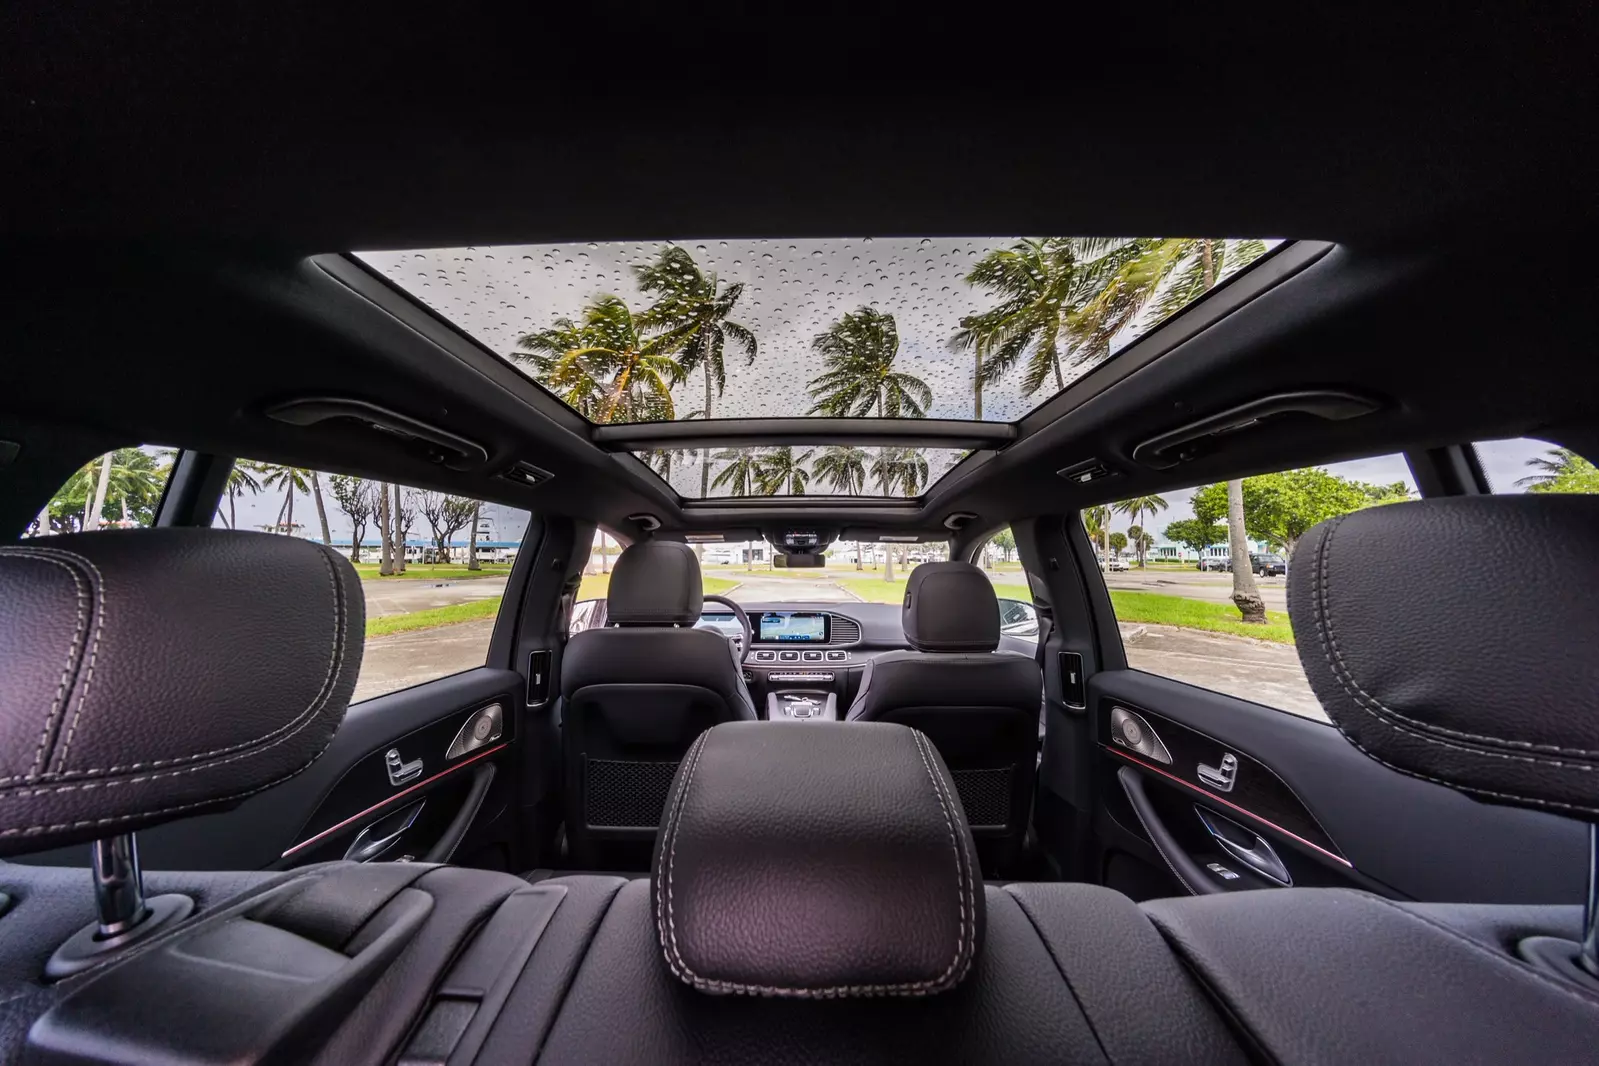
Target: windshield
column 903, row 327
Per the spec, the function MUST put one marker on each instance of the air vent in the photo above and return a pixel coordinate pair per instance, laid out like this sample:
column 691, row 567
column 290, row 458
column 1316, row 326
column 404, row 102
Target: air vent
column 1084, row 472
column 845, row 630
column 525, row 474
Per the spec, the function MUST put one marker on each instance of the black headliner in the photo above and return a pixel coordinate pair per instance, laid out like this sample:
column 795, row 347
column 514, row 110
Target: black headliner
column 169, row 176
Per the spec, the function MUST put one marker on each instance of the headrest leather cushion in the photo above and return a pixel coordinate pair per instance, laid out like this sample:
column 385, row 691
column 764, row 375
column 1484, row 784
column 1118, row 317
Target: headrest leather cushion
column 1452, row 639
column 816, row 860
column 950, row 607
column 655, row 583
column 147, row 675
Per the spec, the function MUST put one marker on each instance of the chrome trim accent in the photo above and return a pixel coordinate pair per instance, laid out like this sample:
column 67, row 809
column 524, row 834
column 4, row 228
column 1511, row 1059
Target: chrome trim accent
column 1131, row 731
column 1220, row 778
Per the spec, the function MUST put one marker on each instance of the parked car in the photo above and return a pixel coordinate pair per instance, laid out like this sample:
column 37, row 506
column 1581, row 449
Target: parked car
column 1266, row 565
column 1115, row 564
column 1213, row 563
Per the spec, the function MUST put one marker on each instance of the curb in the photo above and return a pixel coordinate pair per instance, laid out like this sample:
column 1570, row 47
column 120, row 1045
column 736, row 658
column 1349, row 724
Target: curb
column 1131, row 635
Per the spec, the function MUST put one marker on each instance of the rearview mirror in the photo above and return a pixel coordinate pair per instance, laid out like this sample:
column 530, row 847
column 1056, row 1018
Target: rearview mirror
column 798, row 560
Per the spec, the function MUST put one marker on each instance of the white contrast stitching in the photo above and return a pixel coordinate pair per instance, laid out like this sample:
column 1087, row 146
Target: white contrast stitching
column 963, row 883
column 94, row 652
column 668, row 931
column 293, row 725
column 1372, row 705
column 39, row 556
column 328, row 694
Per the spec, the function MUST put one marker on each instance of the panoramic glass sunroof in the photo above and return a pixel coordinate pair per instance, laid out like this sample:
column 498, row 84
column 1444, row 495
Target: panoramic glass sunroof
column 902, row 327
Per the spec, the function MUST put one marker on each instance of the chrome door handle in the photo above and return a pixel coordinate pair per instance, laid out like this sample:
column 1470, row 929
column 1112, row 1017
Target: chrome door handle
column 1257, row 855
column 378, row 837
column 1221, row 779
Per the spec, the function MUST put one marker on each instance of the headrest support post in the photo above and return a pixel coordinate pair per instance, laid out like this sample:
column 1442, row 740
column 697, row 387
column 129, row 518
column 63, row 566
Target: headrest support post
column 118, row 884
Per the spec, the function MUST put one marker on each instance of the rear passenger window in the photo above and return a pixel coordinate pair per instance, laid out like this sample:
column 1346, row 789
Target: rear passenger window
column 118, row 490
column 1180, row 600
column 1526, row 464
column 433, row 566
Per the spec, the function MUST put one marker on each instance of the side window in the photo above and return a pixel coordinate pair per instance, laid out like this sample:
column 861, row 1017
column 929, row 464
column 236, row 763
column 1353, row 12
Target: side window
column 433, row 566
column 118, row 490
column 1526, row 464
column 1188, row 610
column 1017, row 616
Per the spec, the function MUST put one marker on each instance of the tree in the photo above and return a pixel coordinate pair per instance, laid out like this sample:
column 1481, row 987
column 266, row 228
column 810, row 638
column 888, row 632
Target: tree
column 385, row 532
column 901, row 471
column 1246, row 594
column 403, row 514
column 780, row 468
column 292, row 480
column 1137, row 507
column 1135, row 540
column 843, row 468
column 858, row 378
column 241, row 479
column 1280, row 508
column 127, row 483
column 446, row 515
column 1044, row 286
column 742, row 474
column 692, row 313
column 321, row 510
column 1097, row 521
column 471, row 542
column 607, row 367
column 1118, row 541
column 353, row 496
column 1005, row 541
column 1194, row 534
column 1561, row 470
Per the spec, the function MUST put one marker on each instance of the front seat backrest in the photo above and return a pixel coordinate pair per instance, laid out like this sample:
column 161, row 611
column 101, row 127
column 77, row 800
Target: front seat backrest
column 636, row 695
column 979, row 706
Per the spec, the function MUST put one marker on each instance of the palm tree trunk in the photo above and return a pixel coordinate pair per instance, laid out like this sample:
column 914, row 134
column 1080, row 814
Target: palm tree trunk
column 977, row 384
column 399, row 532
column 605, row 560
column 91, row 517
column 860, row 563
column 471, row 541
column 705, row 461
column 385, row 548
column 1246, row 594
column 288, row 506
column 321, row 510
column 233, row 513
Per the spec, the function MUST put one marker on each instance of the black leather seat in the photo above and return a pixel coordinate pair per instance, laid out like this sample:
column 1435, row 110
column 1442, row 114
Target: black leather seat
column 635, row 695
column 979, row 706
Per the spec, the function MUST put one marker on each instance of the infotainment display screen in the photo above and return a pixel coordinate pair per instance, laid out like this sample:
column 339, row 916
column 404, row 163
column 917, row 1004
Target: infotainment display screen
column 793, row 627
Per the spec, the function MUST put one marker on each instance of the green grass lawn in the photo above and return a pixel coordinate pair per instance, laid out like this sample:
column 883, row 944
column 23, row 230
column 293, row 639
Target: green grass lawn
column 429, row 619
column 432, row 571
column 1158, row 609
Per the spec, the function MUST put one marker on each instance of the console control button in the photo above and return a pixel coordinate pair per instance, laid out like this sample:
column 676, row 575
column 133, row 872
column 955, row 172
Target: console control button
column 766, row 656
column 813, row 656
column 838, row 656
column 788, row 656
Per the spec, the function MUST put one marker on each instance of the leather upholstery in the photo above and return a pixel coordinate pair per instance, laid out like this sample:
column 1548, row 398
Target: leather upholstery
column 655, row 582
column 950, row 607
column 1448, row 640
column 816, row 861
column 152, row 674
column 978, row 706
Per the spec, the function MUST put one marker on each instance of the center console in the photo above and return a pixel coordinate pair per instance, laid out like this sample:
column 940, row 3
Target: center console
column 800, row 705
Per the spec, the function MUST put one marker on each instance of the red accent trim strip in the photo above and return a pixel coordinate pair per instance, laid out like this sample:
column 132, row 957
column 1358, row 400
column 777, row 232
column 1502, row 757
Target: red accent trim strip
column 302, row 845
column 1217, row 799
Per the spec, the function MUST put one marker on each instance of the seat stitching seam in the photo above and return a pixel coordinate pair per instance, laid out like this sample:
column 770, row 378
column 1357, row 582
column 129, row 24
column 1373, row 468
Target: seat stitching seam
column 94, row 655
column 73, row 650
column 963, row 883
column 1377, row 709
column 86, row 786
column 294, row 725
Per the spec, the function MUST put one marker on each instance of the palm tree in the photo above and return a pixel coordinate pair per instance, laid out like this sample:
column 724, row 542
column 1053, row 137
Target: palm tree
column 904, row 469
column 291, row 479
column 858, row 377
column 780, row 468
column 241, row 479
column 606, row 367
column 1044, row 286
column 1561, row 470
column 471, row 541
column 120, row 478
column 385, row 532
column 1137, row 507
column 843, row 468
column 693, row 317
column 1097, row 521
column 321, row 510
column 742, row 474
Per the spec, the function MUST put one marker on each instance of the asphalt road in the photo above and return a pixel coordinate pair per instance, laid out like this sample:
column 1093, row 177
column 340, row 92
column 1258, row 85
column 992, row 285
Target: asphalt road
column 396, row 595
column 1213, row 588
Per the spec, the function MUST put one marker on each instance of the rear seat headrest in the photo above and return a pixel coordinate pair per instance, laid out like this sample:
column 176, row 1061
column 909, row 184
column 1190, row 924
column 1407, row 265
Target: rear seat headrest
column 147, row 675
column 816, row 860
column 1452, row 640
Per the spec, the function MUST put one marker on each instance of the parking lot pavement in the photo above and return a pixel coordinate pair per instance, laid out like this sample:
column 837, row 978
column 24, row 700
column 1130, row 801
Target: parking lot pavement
column 1214, row 588
column 764, row 588
column 1255, row 670
column 401, row 660
column 403, row 595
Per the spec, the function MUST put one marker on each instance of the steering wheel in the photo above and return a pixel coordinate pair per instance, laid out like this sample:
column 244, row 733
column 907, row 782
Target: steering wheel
column 743, row 623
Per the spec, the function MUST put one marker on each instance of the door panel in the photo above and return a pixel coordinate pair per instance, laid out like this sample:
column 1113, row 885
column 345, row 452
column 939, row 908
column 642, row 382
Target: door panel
column 319, row 813
column 1399, row 835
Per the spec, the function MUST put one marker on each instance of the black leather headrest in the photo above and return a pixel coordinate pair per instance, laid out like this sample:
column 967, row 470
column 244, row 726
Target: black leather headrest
column 655, row 583
column 950, row 607
column 816, row 860
column 1453, row 640
column 147, row 675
